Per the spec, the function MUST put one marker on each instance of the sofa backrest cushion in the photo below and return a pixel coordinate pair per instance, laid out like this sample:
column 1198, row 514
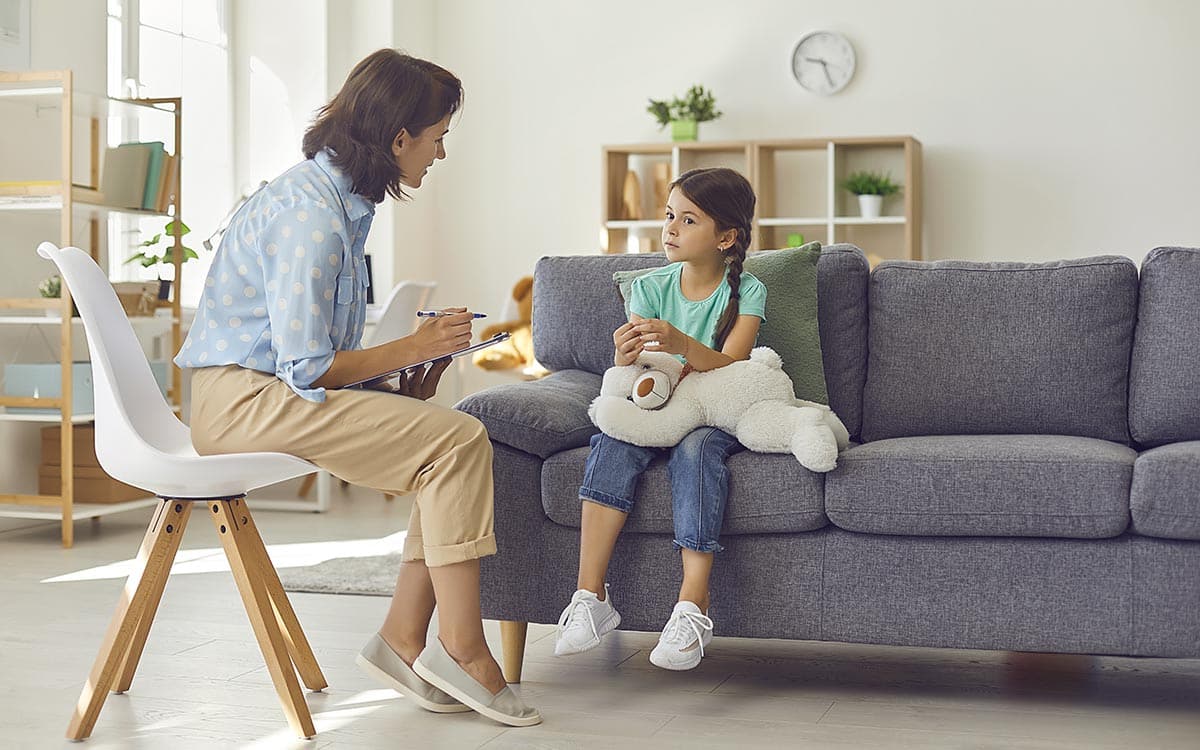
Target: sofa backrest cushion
column 1164, row 380
column 1000, row 348
column 576, row 307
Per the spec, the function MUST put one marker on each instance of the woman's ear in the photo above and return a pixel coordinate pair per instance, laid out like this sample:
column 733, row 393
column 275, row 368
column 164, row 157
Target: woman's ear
column 726, row 239
column 400, row 141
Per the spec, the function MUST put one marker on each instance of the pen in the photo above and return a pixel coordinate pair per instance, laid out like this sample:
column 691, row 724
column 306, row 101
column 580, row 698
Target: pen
column 440, row 314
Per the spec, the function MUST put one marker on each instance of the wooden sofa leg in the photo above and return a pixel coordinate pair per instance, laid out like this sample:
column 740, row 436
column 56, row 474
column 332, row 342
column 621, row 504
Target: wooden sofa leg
column 512, row 639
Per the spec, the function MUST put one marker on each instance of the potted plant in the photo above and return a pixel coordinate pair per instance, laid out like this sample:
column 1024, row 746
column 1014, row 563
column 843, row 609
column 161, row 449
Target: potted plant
column 149, row 255
column 51, row 288
column 684, row 115
column 871, row 188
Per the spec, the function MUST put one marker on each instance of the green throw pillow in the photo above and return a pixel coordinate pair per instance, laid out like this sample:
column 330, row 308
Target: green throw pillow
column 790, row 276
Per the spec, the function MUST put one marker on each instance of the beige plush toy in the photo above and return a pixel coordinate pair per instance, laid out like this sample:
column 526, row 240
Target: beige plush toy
column 517, row 352
column 647, row 403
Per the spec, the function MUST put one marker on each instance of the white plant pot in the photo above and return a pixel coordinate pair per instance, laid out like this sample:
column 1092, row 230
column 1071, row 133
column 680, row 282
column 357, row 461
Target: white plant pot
column 870, row 206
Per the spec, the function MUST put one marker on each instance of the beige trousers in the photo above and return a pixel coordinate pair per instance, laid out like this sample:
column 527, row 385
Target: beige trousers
column 391, row 443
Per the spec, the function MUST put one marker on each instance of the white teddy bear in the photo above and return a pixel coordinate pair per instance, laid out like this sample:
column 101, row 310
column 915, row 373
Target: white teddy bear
column 750, row 399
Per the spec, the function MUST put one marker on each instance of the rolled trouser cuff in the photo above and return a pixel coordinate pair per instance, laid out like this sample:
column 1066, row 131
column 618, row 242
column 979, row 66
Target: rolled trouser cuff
column 415, row 549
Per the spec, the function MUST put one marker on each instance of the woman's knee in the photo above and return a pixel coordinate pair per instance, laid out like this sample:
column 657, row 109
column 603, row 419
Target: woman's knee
column 470, row 432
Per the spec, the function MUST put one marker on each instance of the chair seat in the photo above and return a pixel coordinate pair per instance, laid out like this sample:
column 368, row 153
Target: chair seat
column 186, row 474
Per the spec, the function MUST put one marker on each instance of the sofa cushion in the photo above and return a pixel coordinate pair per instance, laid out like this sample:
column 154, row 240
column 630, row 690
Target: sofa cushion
column 983, row 485
column 1165, row 496
column 576, row 308
column 768, row 493
column 541, row 417
column 1000, row 348
column 790, row 328
column 1164, row 379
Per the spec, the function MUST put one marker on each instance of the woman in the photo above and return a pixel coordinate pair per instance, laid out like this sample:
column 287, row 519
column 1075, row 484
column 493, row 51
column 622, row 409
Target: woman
column 278, row 332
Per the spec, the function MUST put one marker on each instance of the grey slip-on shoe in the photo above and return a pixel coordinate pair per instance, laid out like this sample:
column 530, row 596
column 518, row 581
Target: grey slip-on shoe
column 378, row 660
column 439, row 669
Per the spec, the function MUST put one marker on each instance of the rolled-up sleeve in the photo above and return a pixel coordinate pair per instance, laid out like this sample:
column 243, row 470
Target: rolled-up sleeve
column 301, row 294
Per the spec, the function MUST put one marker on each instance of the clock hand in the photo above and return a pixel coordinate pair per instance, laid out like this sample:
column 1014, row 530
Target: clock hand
column 827, row 76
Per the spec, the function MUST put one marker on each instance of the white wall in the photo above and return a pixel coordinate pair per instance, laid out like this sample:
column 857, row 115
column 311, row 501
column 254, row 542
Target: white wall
column 1050, row 129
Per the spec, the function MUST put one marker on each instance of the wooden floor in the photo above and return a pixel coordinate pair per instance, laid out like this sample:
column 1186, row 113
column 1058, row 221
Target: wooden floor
column 202, row 683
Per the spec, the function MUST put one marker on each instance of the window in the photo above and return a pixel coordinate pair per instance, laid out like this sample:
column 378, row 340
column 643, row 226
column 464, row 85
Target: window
column 177, row 48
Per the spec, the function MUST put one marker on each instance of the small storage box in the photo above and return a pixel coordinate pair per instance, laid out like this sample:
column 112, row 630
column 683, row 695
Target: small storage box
column 92, row 484
column 45, row 381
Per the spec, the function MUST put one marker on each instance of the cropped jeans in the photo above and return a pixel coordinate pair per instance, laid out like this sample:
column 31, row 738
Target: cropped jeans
column 699, row 481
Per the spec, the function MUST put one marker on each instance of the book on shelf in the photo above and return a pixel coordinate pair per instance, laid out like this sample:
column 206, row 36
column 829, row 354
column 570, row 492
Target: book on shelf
column 135, row 174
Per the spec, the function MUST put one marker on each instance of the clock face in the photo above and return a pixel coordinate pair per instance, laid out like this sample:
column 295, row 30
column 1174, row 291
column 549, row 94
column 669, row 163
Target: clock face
column 823, row 62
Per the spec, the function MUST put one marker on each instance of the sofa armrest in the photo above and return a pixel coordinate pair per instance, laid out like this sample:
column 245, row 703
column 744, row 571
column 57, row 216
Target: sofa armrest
column 541, row 417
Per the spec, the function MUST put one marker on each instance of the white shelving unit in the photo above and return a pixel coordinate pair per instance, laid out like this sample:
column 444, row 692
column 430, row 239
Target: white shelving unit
column 33, row 99
column 796, row 181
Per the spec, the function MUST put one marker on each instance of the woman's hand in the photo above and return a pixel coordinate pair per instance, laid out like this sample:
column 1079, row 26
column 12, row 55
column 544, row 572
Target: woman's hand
column 667, row 337
column 443, row 335
column 421, row 382
column 627, row 345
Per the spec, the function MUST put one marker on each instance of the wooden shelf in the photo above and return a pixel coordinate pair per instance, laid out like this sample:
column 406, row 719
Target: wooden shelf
column 51, row 511
column 796, row 181
column 49, row 100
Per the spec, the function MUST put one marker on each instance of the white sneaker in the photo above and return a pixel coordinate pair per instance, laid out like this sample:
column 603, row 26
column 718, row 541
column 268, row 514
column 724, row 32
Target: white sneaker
column 584, row 622
column 681, row 645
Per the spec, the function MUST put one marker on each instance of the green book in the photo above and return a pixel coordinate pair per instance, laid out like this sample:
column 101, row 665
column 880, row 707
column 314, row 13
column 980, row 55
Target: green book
column 153, row 174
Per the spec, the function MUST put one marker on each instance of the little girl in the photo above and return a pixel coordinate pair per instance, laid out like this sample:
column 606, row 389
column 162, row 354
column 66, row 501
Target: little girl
column 705, row 310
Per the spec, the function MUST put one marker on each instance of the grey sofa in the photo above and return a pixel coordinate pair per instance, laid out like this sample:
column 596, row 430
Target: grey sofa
column 1025, row 473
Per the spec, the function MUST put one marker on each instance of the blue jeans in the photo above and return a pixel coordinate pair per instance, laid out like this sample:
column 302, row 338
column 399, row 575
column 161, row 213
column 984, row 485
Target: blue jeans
column 699, row 481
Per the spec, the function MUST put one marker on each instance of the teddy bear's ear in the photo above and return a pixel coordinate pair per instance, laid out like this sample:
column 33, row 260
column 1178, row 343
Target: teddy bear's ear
column 523, row 287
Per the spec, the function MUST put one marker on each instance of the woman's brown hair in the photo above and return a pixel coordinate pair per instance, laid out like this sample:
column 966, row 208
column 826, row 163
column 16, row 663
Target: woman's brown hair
column 727, row 197
column 388, row 91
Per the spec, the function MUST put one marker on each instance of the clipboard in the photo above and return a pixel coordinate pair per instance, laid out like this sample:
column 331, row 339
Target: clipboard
column 380, row 378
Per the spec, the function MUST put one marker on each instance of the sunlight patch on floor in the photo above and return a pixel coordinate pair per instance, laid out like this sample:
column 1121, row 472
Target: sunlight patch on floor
column 212, row 560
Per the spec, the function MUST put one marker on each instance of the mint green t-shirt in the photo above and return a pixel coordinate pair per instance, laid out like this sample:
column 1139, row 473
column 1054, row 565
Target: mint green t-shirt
column 658, row 294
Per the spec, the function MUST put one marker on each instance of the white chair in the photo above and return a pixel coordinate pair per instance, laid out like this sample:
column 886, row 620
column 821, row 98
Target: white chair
column 397, row 317
column 140, row 442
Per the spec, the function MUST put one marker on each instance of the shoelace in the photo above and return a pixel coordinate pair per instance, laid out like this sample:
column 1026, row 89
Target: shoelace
column 675, row 630
column 569, row 614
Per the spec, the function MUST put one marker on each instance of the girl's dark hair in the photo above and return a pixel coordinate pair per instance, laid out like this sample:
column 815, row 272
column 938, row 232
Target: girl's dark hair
column 388, row 91
column 727, row 197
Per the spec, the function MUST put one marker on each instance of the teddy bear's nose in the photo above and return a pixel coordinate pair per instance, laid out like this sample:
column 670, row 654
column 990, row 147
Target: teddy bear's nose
column 644, row 387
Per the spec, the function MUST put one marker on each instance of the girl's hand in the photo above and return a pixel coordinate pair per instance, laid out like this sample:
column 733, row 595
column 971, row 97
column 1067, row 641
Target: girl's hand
column 627, row 345
column 449, row 333
column 668, row 338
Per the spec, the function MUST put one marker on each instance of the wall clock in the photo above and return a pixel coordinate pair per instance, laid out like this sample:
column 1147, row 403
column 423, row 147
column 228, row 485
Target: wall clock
column 823, row 62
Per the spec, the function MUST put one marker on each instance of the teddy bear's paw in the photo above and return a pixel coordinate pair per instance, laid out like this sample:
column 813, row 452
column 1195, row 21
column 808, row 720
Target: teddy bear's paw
column 815, row 448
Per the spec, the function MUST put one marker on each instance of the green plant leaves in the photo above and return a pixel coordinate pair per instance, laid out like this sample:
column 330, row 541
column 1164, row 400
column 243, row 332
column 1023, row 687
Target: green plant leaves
column 698, row 104
column 870, row 183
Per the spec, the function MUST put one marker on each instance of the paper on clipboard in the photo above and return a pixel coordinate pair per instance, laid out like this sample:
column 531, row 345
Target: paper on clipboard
column 380, row 378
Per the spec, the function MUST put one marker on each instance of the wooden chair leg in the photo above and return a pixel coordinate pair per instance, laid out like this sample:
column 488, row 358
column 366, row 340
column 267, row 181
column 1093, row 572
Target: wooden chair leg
column 512, row 643
column 237, row 538
column 307, row 485
column 297, row 644
column 149, row 576
column 178, row 513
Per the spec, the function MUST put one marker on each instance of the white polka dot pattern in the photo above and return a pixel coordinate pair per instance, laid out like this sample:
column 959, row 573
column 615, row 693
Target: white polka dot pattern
column 287, row 288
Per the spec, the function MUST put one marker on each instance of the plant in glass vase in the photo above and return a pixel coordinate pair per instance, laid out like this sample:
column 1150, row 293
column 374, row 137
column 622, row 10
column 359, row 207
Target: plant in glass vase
column 871, row 188
column 150, row 256
column 685, row 114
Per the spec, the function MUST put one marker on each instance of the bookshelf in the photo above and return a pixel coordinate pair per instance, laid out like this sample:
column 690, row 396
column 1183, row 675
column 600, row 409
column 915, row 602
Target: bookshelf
column 31, row 100
column 796, row 181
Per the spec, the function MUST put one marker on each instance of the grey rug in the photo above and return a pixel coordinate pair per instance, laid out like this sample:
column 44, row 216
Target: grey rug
column 372, row 576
